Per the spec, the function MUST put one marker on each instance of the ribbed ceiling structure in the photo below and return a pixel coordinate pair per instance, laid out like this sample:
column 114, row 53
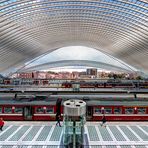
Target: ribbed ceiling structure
column 30, row 28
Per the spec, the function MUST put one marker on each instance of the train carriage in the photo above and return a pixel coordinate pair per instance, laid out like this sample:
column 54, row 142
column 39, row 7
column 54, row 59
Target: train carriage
column 94, row 113
column 116, row 107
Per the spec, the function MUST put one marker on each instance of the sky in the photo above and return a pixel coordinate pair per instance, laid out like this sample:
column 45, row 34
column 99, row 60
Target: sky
column 71, row 69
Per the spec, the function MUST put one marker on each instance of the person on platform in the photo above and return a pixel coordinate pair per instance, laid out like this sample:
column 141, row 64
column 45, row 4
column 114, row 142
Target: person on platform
column 1, row 124
column 58, row 118
column 103, row 120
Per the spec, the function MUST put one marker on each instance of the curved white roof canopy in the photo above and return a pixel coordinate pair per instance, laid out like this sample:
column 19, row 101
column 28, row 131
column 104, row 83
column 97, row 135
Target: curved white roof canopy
column 77, row 63
column 31, row 28
column 77, row 56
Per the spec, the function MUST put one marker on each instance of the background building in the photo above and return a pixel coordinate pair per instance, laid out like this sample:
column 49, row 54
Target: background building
column 91, row 72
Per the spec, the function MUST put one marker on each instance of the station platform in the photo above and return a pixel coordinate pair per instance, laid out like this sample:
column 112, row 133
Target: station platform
column 47, row 135
column 50, row 90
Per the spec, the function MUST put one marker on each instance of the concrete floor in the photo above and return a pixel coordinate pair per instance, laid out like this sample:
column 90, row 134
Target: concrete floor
column 47, row 135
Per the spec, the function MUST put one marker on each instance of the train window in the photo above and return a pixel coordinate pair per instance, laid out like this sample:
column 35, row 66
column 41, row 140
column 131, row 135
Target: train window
column 18, row 110
column 49, row 110
column 0, row 109
column 141, row 110
column 7, row 110
column 129, row 110
column 108, row 110
column 97, row 110
column 117, row 110
column 40, row 110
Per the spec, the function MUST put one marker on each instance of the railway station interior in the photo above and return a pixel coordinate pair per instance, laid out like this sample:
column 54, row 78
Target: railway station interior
column 103, row 106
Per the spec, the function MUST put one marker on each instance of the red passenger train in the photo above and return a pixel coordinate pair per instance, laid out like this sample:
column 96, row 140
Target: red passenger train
column 46, row 111
column 110, row 83
column 129, row 85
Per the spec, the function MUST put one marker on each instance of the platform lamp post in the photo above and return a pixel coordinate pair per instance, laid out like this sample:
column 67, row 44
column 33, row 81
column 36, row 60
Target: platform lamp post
column 74, row 120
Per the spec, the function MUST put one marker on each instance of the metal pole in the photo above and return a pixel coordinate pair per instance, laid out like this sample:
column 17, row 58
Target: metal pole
column 74, row 134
